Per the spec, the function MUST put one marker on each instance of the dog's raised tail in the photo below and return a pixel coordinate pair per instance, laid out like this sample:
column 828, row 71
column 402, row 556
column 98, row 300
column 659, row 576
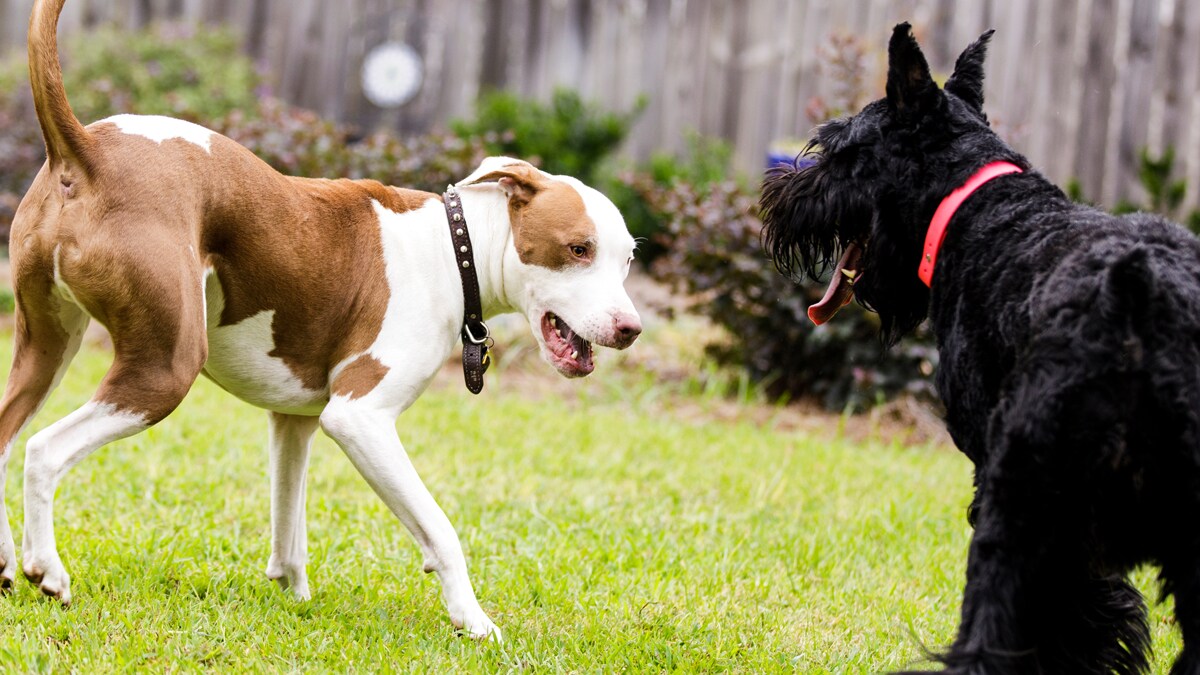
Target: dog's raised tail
column 67, row 142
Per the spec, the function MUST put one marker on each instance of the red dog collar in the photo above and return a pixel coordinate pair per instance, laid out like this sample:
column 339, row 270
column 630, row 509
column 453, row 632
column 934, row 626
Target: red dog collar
column 945, row 211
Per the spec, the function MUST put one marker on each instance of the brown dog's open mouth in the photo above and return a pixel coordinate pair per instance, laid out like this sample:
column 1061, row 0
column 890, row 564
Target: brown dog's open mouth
column 841, row 287
column 569, row 353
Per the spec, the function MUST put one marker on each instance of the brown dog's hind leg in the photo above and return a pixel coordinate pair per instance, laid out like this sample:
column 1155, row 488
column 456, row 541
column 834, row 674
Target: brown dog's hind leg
column 48, row 333
column 153, row 305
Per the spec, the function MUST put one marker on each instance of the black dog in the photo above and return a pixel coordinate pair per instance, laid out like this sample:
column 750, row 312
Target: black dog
column 1070, row 363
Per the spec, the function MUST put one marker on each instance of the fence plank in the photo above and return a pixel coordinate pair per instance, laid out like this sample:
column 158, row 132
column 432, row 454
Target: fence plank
column 1188, row 80
column 755, row 72
column 1177, row 80
column 788, row 44
column 1098, row 77
column 1135, row 93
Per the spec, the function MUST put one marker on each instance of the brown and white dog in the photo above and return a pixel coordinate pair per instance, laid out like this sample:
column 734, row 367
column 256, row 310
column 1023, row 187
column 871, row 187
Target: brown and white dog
column 327, row 303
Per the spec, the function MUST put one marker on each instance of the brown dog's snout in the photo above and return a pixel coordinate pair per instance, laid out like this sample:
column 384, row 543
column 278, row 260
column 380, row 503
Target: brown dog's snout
column 626, row 329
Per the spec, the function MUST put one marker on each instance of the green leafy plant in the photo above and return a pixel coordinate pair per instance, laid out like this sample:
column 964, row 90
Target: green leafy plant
column 195, row 73
column 186, row 71
column 706, row 162
column 1166, row 195
column 1155, row 174
column 709, row 235
column 300, row 142
column 567, row 136
column 199, row 74
column 1074, row 190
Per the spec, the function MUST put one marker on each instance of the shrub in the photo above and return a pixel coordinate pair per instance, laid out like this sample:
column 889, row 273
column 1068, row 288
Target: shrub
column 427, row 162
column 295, row 141
column 1166, row 195
column 194, row 73
column 567, row 136
column 715, row 255
column 185, row 71
column 199, row 74
column 712, row 250
column 299, row 142
column 22, row 152
column 706, row 162
column 844, row 60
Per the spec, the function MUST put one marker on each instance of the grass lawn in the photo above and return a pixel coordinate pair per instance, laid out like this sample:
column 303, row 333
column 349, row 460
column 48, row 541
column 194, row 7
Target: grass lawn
column 603, row 533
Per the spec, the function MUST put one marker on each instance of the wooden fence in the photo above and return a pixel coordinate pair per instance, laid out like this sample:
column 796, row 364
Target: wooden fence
column 1080, row 86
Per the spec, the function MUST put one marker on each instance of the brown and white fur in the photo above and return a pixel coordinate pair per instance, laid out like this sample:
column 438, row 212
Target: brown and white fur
column 330, row 304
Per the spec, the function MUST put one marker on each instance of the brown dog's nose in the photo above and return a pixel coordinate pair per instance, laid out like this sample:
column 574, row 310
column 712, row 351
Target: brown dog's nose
column 627, row 328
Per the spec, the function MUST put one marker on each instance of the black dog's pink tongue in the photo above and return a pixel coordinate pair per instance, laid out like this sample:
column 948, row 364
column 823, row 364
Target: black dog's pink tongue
column 841, row 287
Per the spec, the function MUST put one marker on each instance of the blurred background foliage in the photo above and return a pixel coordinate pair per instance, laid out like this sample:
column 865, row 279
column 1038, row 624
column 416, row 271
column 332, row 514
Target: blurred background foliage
column 567, row 136
column 198, row 74
column 694, row 216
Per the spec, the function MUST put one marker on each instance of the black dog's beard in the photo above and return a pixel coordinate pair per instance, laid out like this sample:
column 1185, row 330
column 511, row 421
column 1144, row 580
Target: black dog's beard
column 812, row 214
column 803, row 210
column 888, row 284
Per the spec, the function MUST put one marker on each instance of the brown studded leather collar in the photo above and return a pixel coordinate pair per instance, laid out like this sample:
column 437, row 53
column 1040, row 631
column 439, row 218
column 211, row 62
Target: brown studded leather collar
column 475, row 336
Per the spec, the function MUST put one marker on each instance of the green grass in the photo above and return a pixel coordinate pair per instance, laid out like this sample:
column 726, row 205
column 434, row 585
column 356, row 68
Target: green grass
column 603, row 534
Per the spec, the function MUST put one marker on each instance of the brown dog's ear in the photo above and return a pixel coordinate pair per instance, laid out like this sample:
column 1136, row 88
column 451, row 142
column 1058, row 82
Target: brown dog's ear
column 520, row 182
column 910, row 88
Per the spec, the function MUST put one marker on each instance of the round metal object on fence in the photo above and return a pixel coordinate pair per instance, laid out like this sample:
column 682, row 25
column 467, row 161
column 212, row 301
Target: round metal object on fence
column 392, row 74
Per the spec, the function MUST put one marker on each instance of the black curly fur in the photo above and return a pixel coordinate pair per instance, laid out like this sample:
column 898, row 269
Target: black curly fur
column 1070, row 367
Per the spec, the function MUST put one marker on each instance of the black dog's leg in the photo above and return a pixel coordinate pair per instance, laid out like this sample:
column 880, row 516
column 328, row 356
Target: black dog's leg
column 1000, row 602
column 1113, row 631
column 1034, row 602
column 1031, row 606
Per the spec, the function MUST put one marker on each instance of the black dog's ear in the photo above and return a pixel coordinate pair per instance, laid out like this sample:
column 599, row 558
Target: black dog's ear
column 967, row 80
column 910, row 87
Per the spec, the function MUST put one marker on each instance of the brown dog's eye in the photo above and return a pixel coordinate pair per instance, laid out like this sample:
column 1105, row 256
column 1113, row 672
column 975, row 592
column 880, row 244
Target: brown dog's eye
column 579, row 251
